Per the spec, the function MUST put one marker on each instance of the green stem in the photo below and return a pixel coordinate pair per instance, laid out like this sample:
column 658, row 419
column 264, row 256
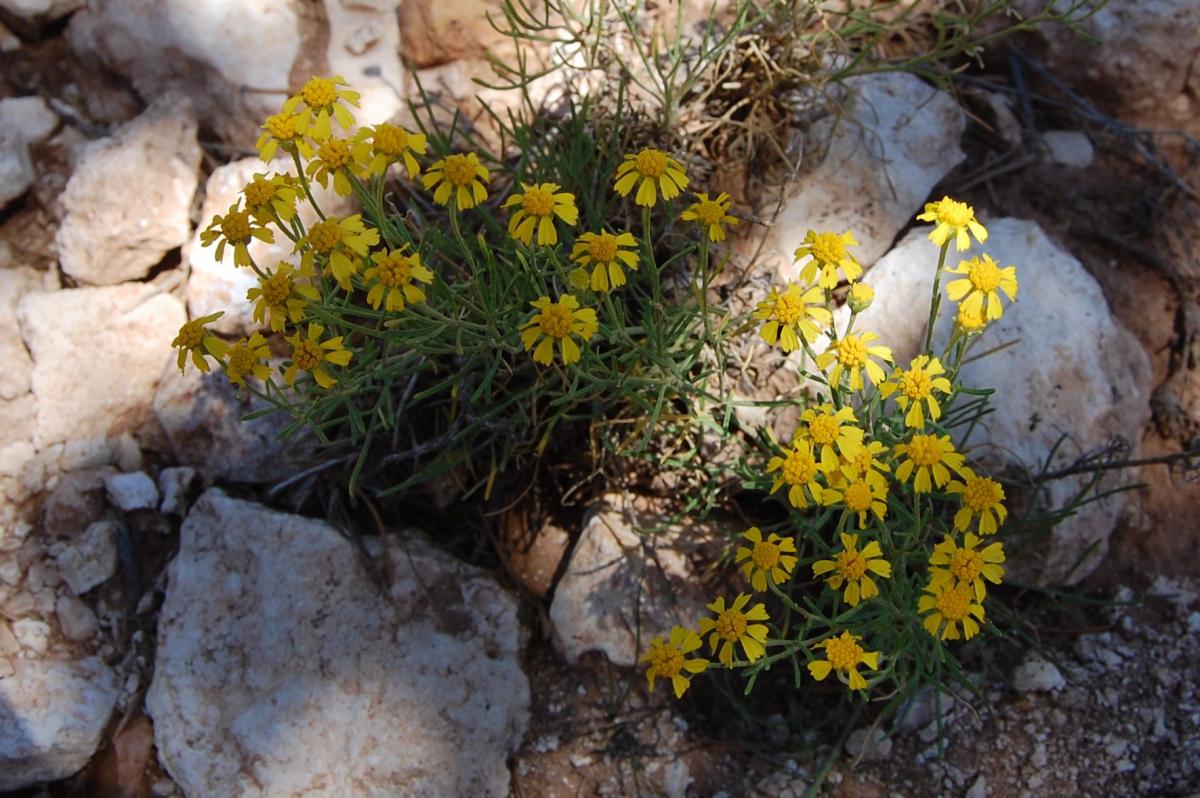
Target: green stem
column 935, row 300
column 303, row 178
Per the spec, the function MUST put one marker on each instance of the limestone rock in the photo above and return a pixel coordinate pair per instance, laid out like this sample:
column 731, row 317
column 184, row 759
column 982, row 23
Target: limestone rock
column 75, row 502
column 41, row 10
column 1036, row 675
column 111, row 342
column 15, row 282
column 52, row 712
column 234, row 59
column 134, row 491
column 76, row 619
column 364, row 47
column 129, row 200
column 1072, row 369
column 272, row 642
column 23, row 121
column 91, row 559
column 1069, row 148
column 436, row 33
column 595, row 603
column 174, row 484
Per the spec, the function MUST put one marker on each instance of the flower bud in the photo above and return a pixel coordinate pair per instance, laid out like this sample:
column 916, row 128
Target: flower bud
column 861, row 297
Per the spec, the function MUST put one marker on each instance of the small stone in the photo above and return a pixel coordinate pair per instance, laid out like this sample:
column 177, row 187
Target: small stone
column 32, row 634
column 1069, row 148
column 129, row 492
column 76, row 619
column 127, row 455
column 28, row 119
column 163, row 788
column 90, row 560
column 869, row 745
column 978, row 789
column 41, row 10
column 1036, row 675
column 173, row 484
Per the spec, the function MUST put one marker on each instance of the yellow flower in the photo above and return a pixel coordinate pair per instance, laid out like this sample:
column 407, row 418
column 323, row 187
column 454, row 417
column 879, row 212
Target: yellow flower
column 656, row 170
column 311, row 354
column 860, row 297
column 732, row 627
column 829, row 253
column 844, row 654
column 928, row 454
column 983, row 277
column 336, row 159
column 915, row 386
column 558, row 321
column 236, row 228
column 538, row 207
column 970, row 321
column 383, row 145
column 790, row 316
column 342, row 243
column 195, row 340
column 853, row 568
column 953, row 218
column 246, row 358
column 861, row 494
column 282, row 296
column 669, row 659
column 605, row 253
column 852, row 354
column 710, row 214
column 833, row 431
column 271, row 197
column 771, row 559
column 282, row 130
column 318, row 102
column 963, row 565
column 799, row 469
column 865, row 460
column 949, row 606
column 459, row 178
column 981, row 496
column 392, row 275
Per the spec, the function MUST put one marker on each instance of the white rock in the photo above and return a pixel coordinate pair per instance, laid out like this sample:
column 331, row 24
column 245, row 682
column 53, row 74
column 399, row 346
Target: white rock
column 978, row 789
column 1069, row 148
column 32, row 634
column 111, row 342
column 272, row 642
column 364, row 47
column 898, row 139
column 41, row 10
column 28, row 119
column 437, row 33
column 15, row 282
column 595, row 605
column 1036, row 675
column 52, row 712
column 173, row 484
column 1071, row 369
column 76, row 619
column 135, row 491
column 90, row 560
column 18, row 419
column 76, row 501
column 16, row 170
column 869, row 745
column 234, row 59
column 129, row 200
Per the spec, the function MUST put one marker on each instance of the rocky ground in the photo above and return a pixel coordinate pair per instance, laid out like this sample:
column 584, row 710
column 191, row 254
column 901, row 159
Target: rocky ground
column 167, row 627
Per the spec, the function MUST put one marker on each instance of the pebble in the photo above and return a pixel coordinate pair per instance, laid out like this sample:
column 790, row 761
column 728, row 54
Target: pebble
column 129, row 492
column 1036, row 675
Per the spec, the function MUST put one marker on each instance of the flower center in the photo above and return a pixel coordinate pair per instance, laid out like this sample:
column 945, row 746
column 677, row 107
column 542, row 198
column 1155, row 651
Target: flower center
column 710, row 212
column 241, row 360
column 390, row 140
column 395, row 270
column 281, row 126
column 970, row 321
column 765, row 555
column 259, row 191
column 731, row 625
column 799, row 468
column 334, row 153
column 307, row 355
column 984, row 275
column 319, row 92
column 915, row 384
column 954, row 602
column 667, row 661
column 851, row 565
column 276, row 289
column 843, row 652
column 982, row 493
column 603, row 248
column 324, row 236
column 236, row 226
column 823, row 429
column 556, row 321
column 459, row 170
column 536, row 202
column 858, row 496
column 924, row 450
column 852, row 352
column 966, row 564
column 191, row 335
column 789, row 308
column 828, row 248
column 955, row 214
column 651, row 163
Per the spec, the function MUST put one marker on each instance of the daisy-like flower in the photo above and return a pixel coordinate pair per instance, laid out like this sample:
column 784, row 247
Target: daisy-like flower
column 711, row 214
column 914, row 388
column 799, row 469
column 459, row 180
column 844, row 655
column 605, row 252
column 832, row 432
column 852, row 354
column 334, row 159
column 867, row 459
column 862, row 494
column 953, row 218
column 853, row 568
column 668, row 659
column 732, row 627
column 271, row 197
column 538, row 206
column 382, row 145
column 656, row 171
column 965, row 565
column 195, row 340
column 282, row 131
column 970, row 321
column 978, row 290
column 320, row 100
column 393, row 279
column 771, row 559
column 981, row 496
column 790, row 315
column 282, row 296
column 247, row 358
column 950, row 606
column 235, row 229
column 311, row 354
column 342, row 242
column 860, row 297
column 928, row 455
column 558, row 321
column 829, row 253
